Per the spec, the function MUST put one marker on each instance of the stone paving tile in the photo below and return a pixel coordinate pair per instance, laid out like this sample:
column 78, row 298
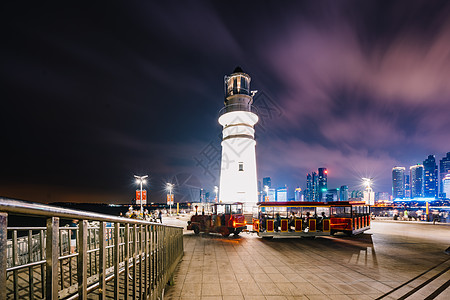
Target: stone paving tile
column 317, row 297
column 286, row 288
column 261, row 277
column 296, row 278
column 191, row 290
column 210, row 278
column 225, row 297
column 244, row 277
column 211, row 289
column 348, row 288
column 250, row 289
column 360, row 297
column 227, row 278
column 305, row 288
column 278, row 277
column 326, row 288
column 231, row 289
column 269, row 289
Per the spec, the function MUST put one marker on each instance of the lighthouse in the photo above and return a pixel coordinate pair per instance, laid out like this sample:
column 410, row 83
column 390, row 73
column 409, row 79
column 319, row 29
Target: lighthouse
column 238, row 180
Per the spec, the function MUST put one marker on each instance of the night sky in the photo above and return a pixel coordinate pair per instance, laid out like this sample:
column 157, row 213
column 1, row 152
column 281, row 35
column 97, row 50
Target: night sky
column 95, row 93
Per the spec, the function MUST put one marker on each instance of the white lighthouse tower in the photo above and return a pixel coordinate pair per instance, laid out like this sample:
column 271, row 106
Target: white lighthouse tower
column 238, row 180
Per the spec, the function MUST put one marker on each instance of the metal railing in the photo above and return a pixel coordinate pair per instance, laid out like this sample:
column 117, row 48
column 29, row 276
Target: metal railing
column 238, row 107
column 114, row 257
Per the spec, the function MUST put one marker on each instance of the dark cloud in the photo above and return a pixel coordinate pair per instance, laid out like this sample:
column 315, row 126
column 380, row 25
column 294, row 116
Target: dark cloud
column 94, row 95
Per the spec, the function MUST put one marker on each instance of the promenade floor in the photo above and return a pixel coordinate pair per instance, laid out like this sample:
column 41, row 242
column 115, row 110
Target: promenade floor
column 392, row 260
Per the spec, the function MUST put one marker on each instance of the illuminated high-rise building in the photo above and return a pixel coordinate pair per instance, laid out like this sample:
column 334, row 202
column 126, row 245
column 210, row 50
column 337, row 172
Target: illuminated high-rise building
column 407, row 186
column 238, row 181
column 446, row 187
column 444, row 169
column 282, row 194
column 398, row 182
column 323, row 184
column 343, row 191
column 430, row 177
column 267, row 182
column 416, row 181
column 312, row 187
column 298, row 195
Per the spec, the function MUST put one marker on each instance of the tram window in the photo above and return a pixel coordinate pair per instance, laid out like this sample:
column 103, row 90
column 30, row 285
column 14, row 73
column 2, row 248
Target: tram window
column 220, row 209
column 340, row 212
column 236, row 209
column 227, row 209
column 295, row 210
column 281, row 210
column 326, row 210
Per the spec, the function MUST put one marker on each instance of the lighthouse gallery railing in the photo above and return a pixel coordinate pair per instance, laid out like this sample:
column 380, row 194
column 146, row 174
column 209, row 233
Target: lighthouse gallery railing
column 114, row 256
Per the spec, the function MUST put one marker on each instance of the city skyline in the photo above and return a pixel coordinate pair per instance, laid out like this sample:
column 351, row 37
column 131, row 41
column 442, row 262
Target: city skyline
column 94, row 96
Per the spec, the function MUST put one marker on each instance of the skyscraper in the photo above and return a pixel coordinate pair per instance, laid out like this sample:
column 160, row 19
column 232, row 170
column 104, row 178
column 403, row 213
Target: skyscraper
column 398, row 182
column 309, row 188
column 298, row 194
column 446, row 187
column 430, row 178
column 323, row 184
column 444, row 169
column 343, row 193
column 407, row 186
column 416, row 181
column 312, row 184
column 267, row 181
column 282, row 194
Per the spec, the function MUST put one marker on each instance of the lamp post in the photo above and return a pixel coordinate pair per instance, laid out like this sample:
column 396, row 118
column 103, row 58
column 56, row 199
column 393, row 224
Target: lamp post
column 169, row 188
column 141, row 180
column 216, row 190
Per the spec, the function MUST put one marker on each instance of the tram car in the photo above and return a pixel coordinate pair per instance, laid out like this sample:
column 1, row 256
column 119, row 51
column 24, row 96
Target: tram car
column 225, row 219
column 310, row 219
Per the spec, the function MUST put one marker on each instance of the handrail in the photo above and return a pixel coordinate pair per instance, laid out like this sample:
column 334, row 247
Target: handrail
column 21, row 207
column 238, row 107
column 138, row 256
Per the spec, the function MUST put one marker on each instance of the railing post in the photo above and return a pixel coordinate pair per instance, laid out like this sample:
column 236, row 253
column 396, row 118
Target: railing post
column 82, row 260
column 102, row 260
column 135, row 236
column 116, row 260
column 3, row 252
column 51, row 251
column 127, row 260
column 30, row 269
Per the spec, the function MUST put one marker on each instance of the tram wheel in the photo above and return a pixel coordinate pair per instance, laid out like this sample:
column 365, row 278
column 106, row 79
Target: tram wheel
column 237, row 231
column 225, row 232
column 332, row 232
column 196, row 230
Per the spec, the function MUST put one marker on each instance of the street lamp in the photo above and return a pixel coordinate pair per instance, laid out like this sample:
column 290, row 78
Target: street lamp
column 141, row 180
column 216, row 190
column 169, row 188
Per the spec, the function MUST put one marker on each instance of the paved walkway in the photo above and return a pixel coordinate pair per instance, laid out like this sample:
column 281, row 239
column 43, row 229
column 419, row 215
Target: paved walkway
column 363, row 267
